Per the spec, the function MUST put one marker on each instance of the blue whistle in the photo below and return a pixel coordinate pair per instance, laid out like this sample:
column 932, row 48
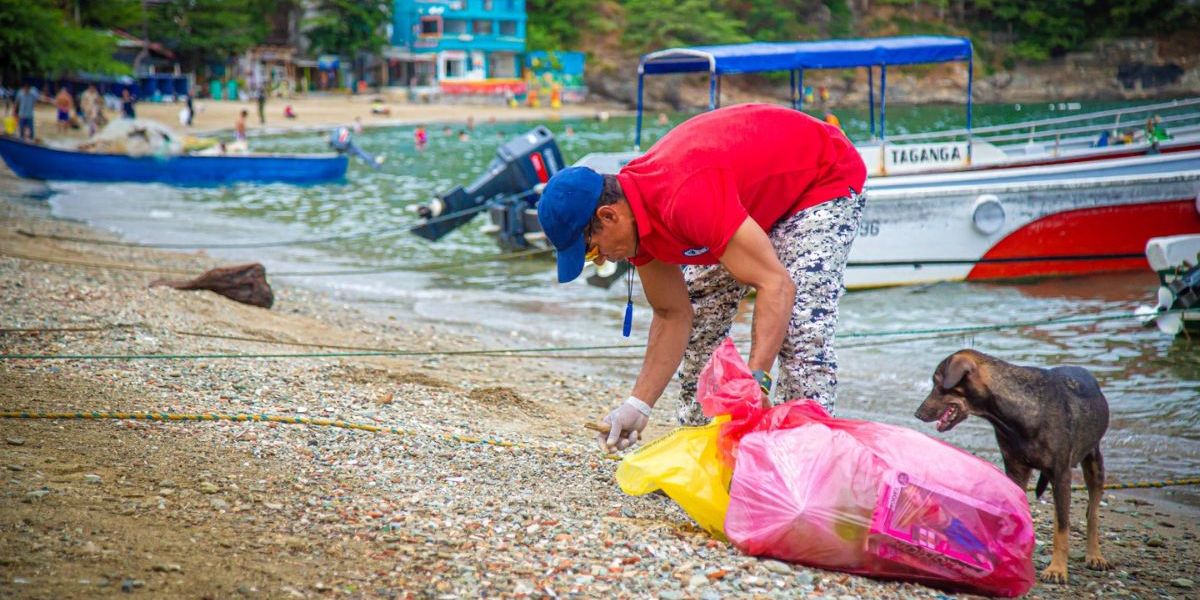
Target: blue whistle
column 628, row 327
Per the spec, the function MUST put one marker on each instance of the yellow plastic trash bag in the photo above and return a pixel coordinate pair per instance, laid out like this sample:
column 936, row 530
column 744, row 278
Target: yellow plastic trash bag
column 684, row 465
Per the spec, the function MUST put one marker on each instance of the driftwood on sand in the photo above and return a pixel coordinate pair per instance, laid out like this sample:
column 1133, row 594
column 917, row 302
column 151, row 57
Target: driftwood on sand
column 244, row 283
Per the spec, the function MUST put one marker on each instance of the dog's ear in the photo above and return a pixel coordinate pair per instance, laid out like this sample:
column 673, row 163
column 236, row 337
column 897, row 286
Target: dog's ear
column 959, row 367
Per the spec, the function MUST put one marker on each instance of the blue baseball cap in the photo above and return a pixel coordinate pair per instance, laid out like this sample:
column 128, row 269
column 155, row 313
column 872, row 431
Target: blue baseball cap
column 566, row 207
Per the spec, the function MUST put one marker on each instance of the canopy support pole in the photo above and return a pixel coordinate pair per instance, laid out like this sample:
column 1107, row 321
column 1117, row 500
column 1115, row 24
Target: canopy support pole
column 970, row 81
column 792, row 86
column 800, row 88
column 883, row 102
column 637, row 136
column 871, row 97
column 712, row 90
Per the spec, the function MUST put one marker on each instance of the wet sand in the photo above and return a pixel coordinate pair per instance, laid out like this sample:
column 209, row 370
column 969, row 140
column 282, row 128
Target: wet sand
column 202, row 509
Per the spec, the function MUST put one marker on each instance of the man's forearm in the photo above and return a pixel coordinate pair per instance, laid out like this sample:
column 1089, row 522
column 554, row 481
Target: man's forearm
column 664, row 350
column 772, row 313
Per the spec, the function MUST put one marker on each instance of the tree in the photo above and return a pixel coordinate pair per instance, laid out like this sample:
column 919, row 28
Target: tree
column 657, row 24
column 348, row 27
column 554, row 24
column 204, row 31
column 36, row 38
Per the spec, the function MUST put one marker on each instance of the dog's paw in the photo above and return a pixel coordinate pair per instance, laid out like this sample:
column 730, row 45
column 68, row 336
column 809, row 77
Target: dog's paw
column 1098, row 563
column 1054, row 574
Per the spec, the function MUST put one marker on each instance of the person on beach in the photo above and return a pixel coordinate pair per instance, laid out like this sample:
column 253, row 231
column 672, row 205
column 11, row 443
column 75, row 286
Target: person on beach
column 91, row 103
column 127, row 102
column 261, row 98
column 750, row 196
column 64, row 104
column 26, row 101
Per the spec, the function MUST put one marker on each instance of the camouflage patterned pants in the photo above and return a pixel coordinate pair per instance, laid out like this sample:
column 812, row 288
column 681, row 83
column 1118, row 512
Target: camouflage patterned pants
column 812, row 245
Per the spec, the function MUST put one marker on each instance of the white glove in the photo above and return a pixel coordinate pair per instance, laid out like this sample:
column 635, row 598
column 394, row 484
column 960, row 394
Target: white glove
column 625, row 424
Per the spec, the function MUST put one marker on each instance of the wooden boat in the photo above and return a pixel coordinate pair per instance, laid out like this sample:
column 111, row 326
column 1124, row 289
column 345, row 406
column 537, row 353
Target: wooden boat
column 41, row 162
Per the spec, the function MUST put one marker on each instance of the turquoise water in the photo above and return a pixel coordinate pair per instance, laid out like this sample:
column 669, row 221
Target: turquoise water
column 1152, row 382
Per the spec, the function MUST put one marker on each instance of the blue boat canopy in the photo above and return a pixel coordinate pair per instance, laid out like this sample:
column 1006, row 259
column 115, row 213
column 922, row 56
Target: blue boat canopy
column 796, row 57
column 829, row 54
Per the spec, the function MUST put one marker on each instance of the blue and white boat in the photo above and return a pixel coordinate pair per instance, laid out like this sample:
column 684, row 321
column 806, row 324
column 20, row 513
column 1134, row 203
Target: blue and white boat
column 35, row 161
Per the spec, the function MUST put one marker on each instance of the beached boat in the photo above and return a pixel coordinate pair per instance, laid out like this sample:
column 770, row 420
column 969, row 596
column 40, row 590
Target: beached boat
column 52, row 164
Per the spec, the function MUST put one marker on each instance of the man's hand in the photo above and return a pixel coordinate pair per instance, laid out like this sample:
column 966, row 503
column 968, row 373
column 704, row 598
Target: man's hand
column 625, row 425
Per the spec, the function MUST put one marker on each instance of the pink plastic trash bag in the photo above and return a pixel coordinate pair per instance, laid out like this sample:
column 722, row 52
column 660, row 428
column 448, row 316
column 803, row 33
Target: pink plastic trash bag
column 863, row 497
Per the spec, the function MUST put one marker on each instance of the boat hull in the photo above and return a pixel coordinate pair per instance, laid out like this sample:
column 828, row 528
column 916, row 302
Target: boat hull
column 51, row 164
column 1048, row 220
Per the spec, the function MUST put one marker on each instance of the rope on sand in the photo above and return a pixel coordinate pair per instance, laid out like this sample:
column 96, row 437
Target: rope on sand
column 497, row 257
column 551, row 351
column 464, row 439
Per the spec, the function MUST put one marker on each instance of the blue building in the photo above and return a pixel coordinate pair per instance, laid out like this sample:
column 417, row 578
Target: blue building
column 459, row 45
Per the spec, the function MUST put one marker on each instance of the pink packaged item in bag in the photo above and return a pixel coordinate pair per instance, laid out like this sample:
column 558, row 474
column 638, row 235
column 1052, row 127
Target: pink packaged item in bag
column 864, row 497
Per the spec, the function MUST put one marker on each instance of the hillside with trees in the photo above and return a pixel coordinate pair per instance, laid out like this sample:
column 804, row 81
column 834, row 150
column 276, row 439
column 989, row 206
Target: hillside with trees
column 1017, row 42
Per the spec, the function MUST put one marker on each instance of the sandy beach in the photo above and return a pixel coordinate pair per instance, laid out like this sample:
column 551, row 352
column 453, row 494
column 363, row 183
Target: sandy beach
column 270, row 510
column 320, row 112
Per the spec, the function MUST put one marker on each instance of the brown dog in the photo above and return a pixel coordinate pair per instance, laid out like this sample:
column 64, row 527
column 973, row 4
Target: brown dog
column 1045, row 419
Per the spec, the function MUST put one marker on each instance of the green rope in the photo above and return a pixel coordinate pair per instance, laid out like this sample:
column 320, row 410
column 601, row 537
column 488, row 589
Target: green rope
column 514, row 351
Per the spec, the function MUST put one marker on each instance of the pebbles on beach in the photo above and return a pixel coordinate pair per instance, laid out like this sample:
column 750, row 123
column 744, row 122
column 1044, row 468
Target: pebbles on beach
column 229, row 509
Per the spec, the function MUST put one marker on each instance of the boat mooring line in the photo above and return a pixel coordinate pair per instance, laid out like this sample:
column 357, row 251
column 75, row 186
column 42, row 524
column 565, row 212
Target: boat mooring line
column 169, row 417
column 375, row 352
column 83, row 263
column 498, row 257
column 377, row 233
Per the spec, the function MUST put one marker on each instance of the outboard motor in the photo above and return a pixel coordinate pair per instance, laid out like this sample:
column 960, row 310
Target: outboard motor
column 521, row 165
column 1176, row 259
column 341, row 140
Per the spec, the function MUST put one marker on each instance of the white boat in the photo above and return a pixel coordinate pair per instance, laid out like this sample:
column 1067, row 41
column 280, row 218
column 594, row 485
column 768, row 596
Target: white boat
column 1032, row 199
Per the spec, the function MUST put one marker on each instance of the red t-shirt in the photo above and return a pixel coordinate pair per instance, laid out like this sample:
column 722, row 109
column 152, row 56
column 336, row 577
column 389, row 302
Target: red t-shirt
column 692, row 190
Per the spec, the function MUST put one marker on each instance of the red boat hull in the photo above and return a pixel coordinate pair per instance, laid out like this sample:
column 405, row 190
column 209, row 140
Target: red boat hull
column 1108, row 230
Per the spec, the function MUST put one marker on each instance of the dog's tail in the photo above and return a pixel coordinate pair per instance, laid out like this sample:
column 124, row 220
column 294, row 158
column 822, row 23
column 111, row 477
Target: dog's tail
column 1042, row 482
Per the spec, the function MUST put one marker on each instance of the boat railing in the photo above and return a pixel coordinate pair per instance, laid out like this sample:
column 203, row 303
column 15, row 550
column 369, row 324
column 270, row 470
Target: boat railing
column 1033, row 134
column 1059, row 126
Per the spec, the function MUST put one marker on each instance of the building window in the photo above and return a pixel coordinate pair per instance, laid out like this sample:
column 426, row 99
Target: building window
column 503, row 65
column 487, row 4
column 452, row 68
column 508, row 28
column 482, row 27
column 454, row 26
column 431, row 26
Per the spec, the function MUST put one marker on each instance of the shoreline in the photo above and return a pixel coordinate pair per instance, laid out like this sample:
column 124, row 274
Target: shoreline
column 319, row 113
column 281, row 510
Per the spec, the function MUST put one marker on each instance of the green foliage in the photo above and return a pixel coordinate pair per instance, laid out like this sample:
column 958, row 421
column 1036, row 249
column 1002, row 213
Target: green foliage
column 201, row 31
column 35, row 38
column 840, row 18
column 779, row 20
column 346, row 27
column 107, row 14
column 1051, row 27
column 657, row 24
column 554, row 24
